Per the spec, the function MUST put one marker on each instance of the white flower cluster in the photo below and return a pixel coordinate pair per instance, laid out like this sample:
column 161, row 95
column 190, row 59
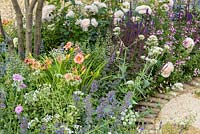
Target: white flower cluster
column 79, row 93
column 177, row 87
column 32, row 96
column 128, row 117
column 85, row 23
column 117, row 31
column 153, row 49
column 47, row 118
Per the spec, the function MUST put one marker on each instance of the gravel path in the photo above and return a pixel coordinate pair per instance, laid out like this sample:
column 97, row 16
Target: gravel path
column 6, row 9
column 184, row 108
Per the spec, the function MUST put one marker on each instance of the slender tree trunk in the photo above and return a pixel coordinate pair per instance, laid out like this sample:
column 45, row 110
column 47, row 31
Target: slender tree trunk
column 20, row 32
column 38, row 27
column 1, row 28
column 29, row 24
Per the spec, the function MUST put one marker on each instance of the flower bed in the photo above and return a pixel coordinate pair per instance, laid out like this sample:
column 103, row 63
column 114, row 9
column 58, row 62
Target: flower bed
column 98, row 60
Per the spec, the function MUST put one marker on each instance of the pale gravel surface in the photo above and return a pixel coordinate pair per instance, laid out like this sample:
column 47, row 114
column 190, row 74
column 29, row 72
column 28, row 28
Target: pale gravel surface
column 181, row 109
column 6, row 9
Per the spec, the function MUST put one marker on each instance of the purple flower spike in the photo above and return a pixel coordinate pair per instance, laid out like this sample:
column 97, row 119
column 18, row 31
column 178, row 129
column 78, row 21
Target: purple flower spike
column 17, row 77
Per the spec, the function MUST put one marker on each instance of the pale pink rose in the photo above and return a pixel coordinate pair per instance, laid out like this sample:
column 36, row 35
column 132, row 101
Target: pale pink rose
column 85, row 23
column 167, row 69
column 188, row 42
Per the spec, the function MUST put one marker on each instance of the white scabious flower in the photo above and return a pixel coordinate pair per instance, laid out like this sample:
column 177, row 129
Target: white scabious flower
column 15, row 41
column 119, row 14
column 47, row 12
column 85, row 23
column 143, row 9
column 70, row 14
column 94, row 22
column 177, row 86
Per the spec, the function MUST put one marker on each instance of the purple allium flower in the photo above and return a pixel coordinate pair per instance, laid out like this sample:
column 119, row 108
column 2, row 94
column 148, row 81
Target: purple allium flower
column 18, row 109
column 17, row 77
column 22, row 86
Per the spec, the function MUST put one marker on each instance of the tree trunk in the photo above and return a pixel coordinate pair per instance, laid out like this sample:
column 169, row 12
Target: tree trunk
column 29, row 24
column 38, row 27
column 20, row 33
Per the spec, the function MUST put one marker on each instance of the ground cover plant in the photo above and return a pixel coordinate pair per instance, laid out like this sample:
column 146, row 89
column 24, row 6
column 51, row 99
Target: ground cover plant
column 97, row 61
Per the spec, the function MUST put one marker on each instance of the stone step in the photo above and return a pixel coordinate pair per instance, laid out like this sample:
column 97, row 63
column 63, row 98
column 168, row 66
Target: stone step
column 149, row 104
column 152, row 110
column 163, row 96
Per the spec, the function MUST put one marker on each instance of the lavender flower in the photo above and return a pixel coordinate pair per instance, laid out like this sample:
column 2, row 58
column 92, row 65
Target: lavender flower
column 107, row 106
column 127, row 101
column 17, row 77
column 88, row 108
column 2, row 105
column 94, row 86
column 23, row 125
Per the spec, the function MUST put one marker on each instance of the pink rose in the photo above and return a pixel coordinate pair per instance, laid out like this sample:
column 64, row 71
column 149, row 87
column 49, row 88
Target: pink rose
column 85, row 23
column 167, row 69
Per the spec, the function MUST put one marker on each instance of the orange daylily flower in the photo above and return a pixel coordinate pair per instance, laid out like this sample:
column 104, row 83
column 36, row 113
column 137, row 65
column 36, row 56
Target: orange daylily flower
column 79, row 58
